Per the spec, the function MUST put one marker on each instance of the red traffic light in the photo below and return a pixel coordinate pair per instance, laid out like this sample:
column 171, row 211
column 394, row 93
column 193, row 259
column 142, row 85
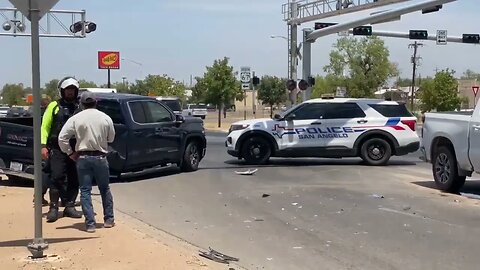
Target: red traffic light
column 291, row 85
column 303, row 85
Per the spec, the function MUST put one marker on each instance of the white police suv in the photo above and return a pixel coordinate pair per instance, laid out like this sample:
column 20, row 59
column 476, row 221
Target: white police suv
column 330, row 128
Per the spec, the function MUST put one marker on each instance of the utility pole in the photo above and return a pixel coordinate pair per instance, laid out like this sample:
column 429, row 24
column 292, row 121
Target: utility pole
column 414, row 63
column 292, row 47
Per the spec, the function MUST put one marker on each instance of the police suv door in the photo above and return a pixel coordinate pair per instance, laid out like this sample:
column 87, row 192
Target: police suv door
column 301, row 128
column 345, row 122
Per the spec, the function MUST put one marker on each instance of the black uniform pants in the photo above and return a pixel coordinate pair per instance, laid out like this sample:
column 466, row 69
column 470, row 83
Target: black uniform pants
column 64, row 178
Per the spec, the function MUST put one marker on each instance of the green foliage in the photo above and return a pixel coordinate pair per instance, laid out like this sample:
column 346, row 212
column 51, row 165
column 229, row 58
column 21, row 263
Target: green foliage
column 199, row 91
column 158, row 85
column 87, row 84
column 220, row 84
column 272, row 91
column 13, row 94
column 51, row 89
column 403, row 82
column 441, row 93
column 326, row 85
column 366, row 62
column 471, row 75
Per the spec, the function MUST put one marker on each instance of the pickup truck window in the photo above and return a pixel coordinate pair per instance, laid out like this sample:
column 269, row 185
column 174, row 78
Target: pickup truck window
column 112, row 109
column 149, row 112
column 156, row 113
column 399, row 110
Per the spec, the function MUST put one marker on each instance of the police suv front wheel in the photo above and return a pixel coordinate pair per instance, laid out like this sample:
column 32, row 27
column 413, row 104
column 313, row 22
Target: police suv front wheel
column 256, row 150
column 376, row 152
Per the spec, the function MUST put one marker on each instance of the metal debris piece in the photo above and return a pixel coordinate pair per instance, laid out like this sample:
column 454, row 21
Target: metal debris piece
column 217, row 256
column 265, row 195
column 248, row 172
column 378, row 196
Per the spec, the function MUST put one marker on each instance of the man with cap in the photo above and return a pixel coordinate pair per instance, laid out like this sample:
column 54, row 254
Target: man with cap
column 63, row 173
column 93, row 131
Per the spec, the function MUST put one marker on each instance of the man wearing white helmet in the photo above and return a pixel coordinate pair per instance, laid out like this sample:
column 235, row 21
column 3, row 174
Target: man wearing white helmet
column 62, row 169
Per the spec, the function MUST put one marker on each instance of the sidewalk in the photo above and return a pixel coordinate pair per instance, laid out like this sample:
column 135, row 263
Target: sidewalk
column 131, row 244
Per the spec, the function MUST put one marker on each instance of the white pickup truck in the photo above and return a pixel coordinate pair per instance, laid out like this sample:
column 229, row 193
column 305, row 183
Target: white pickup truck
column 451, row 142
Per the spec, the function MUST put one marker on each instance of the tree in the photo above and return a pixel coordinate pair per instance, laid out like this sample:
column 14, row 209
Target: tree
column 198, row 91
column 221, row 85
column 366, row 63
column 121, row 87
column 87, row 84
column 13, row 94
column 272, row 91
column 403, row 82
column 158, row 85
column 326, row 85
column 471, row 75
column 441, row 93
column 51, row 89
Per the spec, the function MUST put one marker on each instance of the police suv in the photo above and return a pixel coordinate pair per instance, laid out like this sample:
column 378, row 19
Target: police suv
column 330, row 128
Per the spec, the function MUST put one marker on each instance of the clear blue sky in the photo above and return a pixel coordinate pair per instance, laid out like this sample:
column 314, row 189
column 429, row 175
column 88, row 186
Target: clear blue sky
column 181, row 37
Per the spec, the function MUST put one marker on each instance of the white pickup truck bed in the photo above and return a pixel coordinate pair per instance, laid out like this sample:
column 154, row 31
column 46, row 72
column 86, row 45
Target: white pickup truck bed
column 451, row 142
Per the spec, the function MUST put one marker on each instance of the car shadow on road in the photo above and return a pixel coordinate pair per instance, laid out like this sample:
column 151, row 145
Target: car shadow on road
column 471, row 189
column 304, row 163
column 25, row 242
column 25, row 183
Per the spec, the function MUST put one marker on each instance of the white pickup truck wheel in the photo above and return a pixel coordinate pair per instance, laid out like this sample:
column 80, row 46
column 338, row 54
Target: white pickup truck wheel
column 445, row 171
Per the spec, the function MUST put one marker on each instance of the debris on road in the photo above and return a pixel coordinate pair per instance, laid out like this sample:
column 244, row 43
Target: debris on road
column 294, row 203
column 217, row 256
column 259, row 219
column 378, row 196
column 406, row 208
column 297, row 247
column 269, row 259
column 265, row 195
column 248, row 172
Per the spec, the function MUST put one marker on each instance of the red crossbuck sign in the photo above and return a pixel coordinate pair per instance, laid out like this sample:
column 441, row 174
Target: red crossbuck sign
column 475, row 90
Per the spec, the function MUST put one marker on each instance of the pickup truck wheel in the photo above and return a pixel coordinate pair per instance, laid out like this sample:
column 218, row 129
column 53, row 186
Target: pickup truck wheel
column 256, row 150
column 445, row 171
column 376, row 152
column 191, row 157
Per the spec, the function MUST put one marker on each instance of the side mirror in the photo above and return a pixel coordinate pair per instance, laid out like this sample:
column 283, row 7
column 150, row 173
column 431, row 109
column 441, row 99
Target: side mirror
column 290, row 117
column 277, row 117
column 179, row 118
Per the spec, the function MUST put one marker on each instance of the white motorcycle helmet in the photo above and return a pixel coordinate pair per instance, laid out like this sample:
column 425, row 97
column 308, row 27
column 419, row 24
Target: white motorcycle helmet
column 66, row 82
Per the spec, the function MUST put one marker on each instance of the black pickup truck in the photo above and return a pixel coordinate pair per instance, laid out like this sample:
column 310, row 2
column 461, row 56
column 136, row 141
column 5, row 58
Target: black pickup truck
column 148, row 134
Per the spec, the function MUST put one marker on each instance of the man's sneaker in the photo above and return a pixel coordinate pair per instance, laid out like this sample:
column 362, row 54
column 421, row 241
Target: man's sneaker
column 91, row 228
column 109, row 224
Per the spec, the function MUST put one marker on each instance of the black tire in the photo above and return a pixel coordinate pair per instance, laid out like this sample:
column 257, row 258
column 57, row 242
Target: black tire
column 203, row 117
column 191, row 157
column 445, row 171
column 376, row 152
column 256, row 150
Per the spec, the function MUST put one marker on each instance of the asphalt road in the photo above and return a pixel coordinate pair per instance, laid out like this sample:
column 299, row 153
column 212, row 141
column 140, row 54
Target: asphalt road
column 311, row 213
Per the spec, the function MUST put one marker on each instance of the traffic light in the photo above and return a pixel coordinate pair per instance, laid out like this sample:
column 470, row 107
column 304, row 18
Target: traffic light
column 320, row 25
column 418, row 34
column 291, row 85
column 471, row 38
column 302, row 85
column 432, row 9
column 311, row 81
column 255, row 80
column 362, row 31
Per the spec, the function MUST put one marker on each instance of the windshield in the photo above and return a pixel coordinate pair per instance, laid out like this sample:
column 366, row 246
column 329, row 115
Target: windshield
column 285, row 113
column 174, row 105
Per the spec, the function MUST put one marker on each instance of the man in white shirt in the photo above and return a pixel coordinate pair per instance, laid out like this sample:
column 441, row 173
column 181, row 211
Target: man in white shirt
column 93, row 131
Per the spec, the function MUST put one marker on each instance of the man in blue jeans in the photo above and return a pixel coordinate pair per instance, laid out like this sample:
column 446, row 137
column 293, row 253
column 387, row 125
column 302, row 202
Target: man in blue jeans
column 93, row 131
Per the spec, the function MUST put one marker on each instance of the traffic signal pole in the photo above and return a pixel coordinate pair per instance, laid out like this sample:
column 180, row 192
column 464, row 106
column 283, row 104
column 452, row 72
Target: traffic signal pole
column 307, row 63
column 293, row 50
